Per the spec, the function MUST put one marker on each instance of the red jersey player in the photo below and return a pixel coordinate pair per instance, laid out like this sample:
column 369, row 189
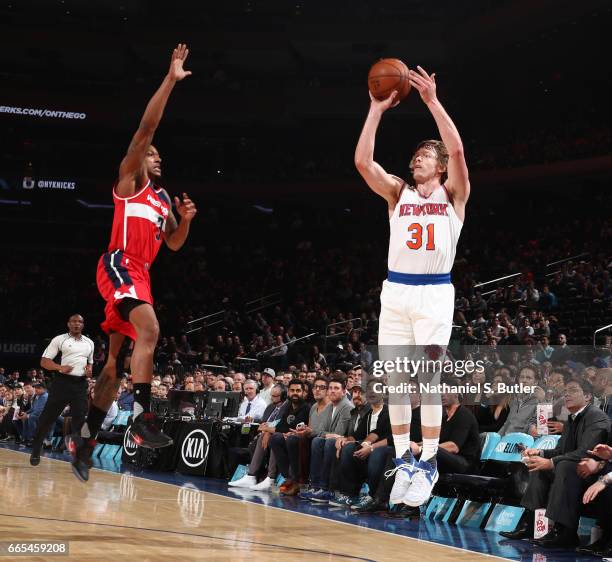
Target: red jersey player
column 143, row 219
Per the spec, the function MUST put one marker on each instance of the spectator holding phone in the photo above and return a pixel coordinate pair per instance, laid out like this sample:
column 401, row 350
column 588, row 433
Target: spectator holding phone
column 287, row 460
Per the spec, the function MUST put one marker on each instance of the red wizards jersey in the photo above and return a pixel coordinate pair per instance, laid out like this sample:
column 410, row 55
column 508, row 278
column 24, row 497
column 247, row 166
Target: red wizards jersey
column 139, row 223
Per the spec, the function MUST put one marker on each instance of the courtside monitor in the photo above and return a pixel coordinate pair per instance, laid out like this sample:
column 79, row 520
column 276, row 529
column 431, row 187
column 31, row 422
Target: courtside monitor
column 186, row 402
column 223, row 404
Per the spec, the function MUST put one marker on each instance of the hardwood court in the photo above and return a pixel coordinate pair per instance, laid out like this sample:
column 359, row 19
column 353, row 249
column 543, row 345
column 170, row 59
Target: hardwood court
column 118, row 516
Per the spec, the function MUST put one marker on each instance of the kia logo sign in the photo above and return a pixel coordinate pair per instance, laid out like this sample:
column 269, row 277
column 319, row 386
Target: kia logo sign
column 191, row 503
column 195, row 448
column 129, row 446
column 127, row 490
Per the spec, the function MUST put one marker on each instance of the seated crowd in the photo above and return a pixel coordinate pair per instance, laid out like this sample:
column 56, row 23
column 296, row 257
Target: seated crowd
column 327, row 433
column 328, row 446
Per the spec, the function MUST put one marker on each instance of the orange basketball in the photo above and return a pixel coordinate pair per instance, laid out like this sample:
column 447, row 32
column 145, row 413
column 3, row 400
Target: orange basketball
column 387, row 75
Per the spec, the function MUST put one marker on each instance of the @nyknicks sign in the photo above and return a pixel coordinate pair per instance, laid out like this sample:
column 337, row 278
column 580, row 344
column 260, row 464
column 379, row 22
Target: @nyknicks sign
column 129, row 445
column 195, row 448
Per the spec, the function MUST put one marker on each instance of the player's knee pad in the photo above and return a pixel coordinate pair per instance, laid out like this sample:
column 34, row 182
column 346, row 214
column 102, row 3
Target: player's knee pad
column 431, row 415
column 400, row 414
column 429, row 384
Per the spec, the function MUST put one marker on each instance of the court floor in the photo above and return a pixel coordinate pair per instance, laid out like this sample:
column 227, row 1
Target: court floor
column 155, row 516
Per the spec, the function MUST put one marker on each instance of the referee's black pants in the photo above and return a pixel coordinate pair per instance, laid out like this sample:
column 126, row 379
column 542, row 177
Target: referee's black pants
column 65, row 390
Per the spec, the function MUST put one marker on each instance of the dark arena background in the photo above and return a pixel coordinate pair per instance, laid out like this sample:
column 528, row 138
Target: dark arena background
column 283, row 270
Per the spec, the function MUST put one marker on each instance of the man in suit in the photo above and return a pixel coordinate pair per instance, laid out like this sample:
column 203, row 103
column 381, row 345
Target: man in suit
column 599, row 494
column 554, row 483
column 270, row 419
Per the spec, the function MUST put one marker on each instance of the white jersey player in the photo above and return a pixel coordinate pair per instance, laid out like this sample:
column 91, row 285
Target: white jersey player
column 417, row 298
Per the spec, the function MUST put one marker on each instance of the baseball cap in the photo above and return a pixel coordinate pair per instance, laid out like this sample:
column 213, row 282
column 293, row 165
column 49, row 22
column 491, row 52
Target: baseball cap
column 269, row 372
column 39, row 385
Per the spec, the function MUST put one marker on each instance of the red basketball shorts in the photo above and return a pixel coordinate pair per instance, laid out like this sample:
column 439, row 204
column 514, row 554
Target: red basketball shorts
column 120, row 277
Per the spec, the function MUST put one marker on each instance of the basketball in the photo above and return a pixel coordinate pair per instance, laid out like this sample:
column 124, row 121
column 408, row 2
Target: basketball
column 387, row 75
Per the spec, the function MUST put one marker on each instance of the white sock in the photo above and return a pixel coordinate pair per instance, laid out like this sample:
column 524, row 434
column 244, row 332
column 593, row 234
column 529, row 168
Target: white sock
column 402, row 443
column 138, row 409
column 430, row 448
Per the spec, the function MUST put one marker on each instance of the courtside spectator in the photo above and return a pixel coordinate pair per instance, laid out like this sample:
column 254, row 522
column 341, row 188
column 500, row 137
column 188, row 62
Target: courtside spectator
column 554, row 482
column 253, row 406
column 295, row 414
column 522, row 409
column 30, row 418
column 260, row 445
column 599, row 495
column 323, row 446
column 363, row 455
column 459, row 449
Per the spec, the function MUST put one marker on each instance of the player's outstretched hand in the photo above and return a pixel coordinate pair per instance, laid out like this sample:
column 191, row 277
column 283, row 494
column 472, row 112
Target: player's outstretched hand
column 424, row 83
column 385, row 104
column 185, row 208
column 179, row 55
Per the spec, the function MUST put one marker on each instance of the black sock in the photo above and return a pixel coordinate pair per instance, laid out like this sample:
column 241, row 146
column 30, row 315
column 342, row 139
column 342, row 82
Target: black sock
column 142, row 398
column 94, row 421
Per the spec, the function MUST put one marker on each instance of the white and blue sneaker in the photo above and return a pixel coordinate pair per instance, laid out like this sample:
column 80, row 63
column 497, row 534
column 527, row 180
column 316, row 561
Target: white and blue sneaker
column 424, row 479
column 404, row 472
column 306, row 493
column 343, row 500
column 321, row 496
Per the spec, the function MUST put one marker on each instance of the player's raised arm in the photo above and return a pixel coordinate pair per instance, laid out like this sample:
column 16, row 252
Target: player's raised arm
column 458, row 183
column 131, row 169
column 386, row 185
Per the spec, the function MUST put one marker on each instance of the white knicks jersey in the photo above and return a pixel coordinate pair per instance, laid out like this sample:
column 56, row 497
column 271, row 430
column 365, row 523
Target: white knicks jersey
column 424, row 233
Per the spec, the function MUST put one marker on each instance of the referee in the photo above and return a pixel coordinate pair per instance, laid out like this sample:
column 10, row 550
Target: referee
column 69, row 386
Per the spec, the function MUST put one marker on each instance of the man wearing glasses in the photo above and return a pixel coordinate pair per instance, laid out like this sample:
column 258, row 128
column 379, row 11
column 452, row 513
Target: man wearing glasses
column 323, row 446
column 300, row 437
column 270, row 419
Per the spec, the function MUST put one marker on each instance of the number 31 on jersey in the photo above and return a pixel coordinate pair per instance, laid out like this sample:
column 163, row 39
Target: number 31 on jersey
column 416, row 236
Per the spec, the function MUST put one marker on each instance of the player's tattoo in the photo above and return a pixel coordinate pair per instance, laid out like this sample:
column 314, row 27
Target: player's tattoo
column 106, row 388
